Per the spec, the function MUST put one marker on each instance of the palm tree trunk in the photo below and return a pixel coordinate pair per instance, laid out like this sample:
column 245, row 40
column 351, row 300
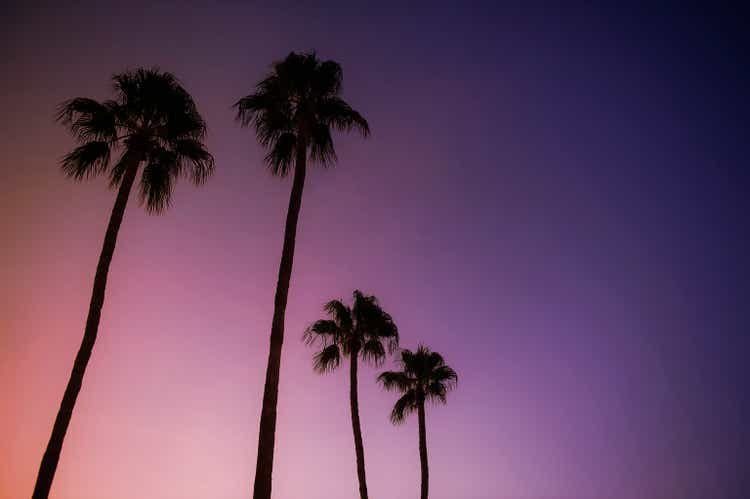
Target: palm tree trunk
column 358, row 446
column 267, row 432
column 54, row 447
column 423, row 450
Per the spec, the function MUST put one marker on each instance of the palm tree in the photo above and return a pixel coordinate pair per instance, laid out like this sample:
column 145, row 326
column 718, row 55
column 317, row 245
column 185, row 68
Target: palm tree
column 154, row 122
column 424, row 376
column 293, row 111
column 357, row 332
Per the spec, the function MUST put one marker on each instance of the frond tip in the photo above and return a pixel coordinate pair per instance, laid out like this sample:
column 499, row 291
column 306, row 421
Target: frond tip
column 324, row 330
column 192, row 152
column 157, row 182
column 87, row 160
column 327, row 359
column 396, row 381
column 373, row 351
column 404, row 406
column 88, row 119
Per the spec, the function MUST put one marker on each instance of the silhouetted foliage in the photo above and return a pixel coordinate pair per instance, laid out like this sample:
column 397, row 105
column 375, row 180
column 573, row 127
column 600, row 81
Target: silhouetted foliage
column 296, row 106
column 151, row 115
column 293, row 111
column 152, row 120
column 360, row 330
column 356, row 332
column 424, row 376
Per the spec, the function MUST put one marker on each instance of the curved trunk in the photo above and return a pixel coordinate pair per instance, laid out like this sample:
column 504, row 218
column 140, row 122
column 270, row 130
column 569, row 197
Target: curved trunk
column 267, row 432
column 423, row 449
column 358, row 447
column 54, row 447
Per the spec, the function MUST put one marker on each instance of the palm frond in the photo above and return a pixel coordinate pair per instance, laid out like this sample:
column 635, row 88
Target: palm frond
column 157, row 181
column 295, row 74
column 436, row 392
column 150, row 94
column 152, row 116
column 421, row 362
column 281, row 155
column 194, row 153
column 404, row 406
column 268, row 112
column 336, row 113
column 247, row 108
column 408, row 362
column 327, row 359
column 445, row 375
column 328, row 78
column 340, row 313
column 425, row 375
column 156, row 101
column 380, row 325
column 321, row 146
column 87, row 160
column 373, row 352
column 299, row 98
column 321, row 330
column 392, row 341
column 117, row 171
column 434, row 359
column 177, row 125
column 88, row 119
column 396, row 381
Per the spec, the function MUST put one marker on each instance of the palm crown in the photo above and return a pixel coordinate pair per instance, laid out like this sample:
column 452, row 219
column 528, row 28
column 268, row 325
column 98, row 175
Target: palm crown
column 152, row 119
column 295, row 108
column 359, row 330
column 424, row 376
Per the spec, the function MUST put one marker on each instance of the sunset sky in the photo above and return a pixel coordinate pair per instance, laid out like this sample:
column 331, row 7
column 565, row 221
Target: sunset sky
column 555, row 200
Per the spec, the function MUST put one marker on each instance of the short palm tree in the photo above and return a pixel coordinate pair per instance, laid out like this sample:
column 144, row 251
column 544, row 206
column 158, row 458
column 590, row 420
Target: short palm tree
column 151, row 121
column 424, row 376
column 293, row 111
column 356, row 332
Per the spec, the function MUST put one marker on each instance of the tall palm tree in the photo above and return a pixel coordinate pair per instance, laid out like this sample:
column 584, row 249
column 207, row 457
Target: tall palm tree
column 293, row 111
column 424, row 376
column 151, row 121
column 356, row 332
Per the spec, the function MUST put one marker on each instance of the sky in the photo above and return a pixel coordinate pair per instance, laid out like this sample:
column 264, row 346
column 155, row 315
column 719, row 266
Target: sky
column 554, row 199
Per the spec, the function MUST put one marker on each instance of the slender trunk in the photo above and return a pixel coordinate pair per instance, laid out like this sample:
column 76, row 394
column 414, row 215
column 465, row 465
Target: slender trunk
column 358, row 447
column 54, row 447
column 423, row 449
column 267, row 432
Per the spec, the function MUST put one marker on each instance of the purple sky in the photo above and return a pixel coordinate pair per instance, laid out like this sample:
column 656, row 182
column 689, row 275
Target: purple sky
column 555, row 200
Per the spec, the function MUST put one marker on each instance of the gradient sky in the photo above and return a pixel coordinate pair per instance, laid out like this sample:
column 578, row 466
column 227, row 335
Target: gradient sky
column 554, row 199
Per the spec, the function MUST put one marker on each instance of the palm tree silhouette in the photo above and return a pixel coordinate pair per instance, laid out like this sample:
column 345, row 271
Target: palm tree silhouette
column 292, row 110
column 424, row 376
column 153, row 121
column 357, row 332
